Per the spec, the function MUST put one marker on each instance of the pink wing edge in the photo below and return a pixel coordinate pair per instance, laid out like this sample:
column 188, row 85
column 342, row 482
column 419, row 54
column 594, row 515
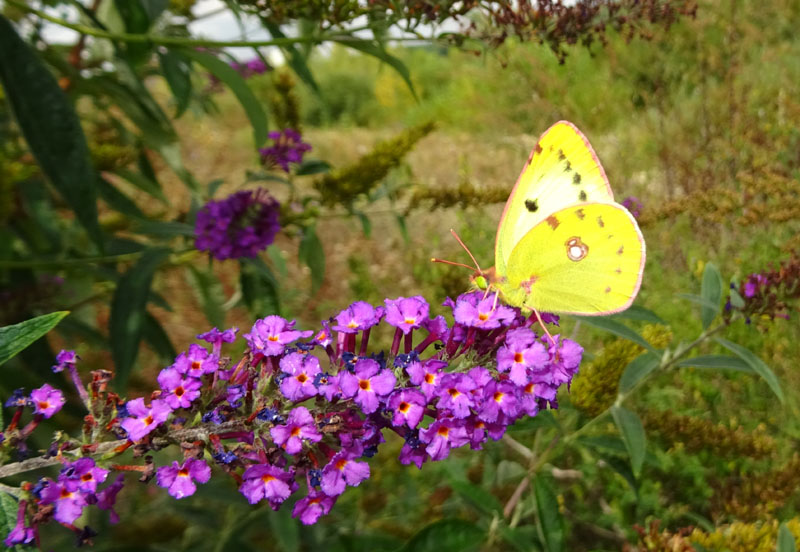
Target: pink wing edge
column 528, row 163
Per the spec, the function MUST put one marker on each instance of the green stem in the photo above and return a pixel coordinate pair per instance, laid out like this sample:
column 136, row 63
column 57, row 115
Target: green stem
column 190, row 42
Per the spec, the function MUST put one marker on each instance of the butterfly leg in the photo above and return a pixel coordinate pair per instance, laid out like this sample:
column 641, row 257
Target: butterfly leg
column 541, row 323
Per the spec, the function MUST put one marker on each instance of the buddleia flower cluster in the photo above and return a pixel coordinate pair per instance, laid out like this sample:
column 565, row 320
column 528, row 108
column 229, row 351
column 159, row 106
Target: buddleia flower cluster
column 241, row 225
column 301, row 411
column 767, row 294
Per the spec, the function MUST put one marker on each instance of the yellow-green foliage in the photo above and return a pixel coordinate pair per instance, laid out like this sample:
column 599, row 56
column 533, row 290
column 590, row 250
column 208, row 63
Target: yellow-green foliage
column 754, row 497
column 595, row 387
column 284, row 104
column 744, row 537
column 695, row 434
column 347, row 183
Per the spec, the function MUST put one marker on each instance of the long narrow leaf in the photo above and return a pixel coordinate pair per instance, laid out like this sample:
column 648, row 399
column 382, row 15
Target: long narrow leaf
column 376, row 49
column 639, row 368
column 785, row 540
column 14, row 339
column 720, row 362
column 50, row 126
column 128, row 312
column 550, row 521
column 616, row 328
column 632, row 431
column 711, row 291
column 295, row 57
column 313, row 255
column 756, row 364
column 234, row 81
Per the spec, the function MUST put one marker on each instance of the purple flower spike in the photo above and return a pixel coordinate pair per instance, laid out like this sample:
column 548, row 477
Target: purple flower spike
column 179, row 479
column 443, row 435
column 270, row 335
column 520, row 353
column 485, row 314
column 407, row 313
column 341, row 471
column 241, row 225
column 142, row 420
column 179, row 391
column 20, row 534
column 455, row 394
column 46, row 400
column 368, row 385
column 312, row 507
column 357, row 317
column 301, row 370
column 108, row 497
column 634, row 205
column 216, row 338
column 83, row 475
column 299, row 426
column 426, row 375
column 65, row 359
column 266, row 481
column 408, row 406
column 196, row 362
column 68, row 504
column 499, row 398
column 288, row 148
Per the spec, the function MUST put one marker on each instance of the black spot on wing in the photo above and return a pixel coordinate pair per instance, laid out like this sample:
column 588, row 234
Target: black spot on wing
column 568, row 167
column 531, row 205
column 582, row 195
column 561, row 155
column 576, row 179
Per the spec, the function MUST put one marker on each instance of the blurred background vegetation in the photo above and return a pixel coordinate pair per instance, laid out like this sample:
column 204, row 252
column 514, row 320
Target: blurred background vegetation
column 698, row 119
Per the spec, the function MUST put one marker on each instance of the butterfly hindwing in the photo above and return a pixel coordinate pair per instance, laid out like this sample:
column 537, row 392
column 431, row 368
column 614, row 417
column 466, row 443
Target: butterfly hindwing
column 562, row 169
column 583, row 259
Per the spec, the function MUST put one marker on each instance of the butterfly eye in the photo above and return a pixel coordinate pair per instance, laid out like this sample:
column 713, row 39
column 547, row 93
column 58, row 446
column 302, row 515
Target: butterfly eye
column 576, row 249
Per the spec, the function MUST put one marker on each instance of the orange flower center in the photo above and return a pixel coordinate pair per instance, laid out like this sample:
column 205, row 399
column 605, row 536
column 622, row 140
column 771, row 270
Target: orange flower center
column 517, row 357
column 364, row 385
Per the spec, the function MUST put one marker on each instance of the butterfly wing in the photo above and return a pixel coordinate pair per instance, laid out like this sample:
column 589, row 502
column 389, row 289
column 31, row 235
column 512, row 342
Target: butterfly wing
column 562, row 169
column 584, row 259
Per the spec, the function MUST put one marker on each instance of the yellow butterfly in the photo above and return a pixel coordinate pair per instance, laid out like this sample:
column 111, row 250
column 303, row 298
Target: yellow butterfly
column 563, row 245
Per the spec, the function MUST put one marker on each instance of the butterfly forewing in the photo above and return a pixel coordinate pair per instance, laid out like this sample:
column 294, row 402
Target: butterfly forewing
column 562, row 170
column 583, row 259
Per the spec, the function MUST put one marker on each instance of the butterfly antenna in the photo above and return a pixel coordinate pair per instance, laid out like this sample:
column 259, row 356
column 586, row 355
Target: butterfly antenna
column 461, row 243
column 435, row 260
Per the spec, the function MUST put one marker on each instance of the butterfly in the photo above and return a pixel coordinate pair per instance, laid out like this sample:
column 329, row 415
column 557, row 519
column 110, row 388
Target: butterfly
column 563, row 245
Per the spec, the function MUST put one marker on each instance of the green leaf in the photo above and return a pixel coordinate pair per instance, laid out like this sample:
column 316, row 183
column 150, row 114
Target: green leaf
column 14, row 339
column 312, row 254
column 549, row 520
column 177, row 70
column 294, row 56
column 8, row 516
column 50, row 127
column 632, row 431
column 312, row 166
column 128, row 312
column 756, row 364
column 637, row 369
column 260, row 289
column 723, row 362
column 145, row 184
column 234, row 81
column 480, row 499
column 623, row 469
column 711, row 291
column 736, row 300
column 697, row 299
column 155, row 336
column 447, row 535
column 117, row 200
column 785, row 539
column 376, row 49
column 521, row 538
column 366, row 225
column 285, row 532
column 209, row 292
column 278, row 262
column 163, row 229
column 640, row 314
column 616, row 328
